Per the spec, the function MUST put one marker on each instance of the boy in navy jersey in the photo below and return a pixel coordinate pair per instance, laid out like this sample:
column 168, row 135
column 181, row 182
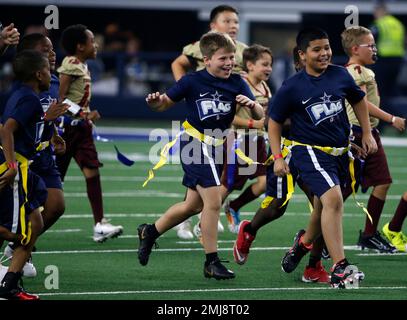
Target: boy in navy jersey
column 43, row 162
column 23, row 124
column 211, row 95
column 314, row 101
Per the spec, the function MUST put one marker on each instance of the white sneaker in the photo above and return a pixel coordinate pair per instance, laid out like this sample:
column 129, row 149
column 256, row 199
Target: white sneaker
column 184, row 230
column 29, row 269
column 104, row 230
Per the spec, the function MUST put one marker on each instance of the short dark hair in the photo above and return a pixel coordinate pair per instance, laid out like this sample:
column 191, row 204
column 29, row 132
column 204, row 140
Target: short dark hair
column 72, row 36
column 213, row 41
column 26, row 63
column 253, row 53
column 29, row 41
column 219, row 9
column 306, row 35
column 297, row 59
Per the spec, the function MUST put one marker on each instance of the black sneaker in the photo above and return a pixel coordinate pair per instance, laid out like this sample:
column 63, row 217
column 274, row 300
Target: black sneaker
column 217, row 270
column 146, row 243
column 375, row 242
column 345, row 275
column 293, row 256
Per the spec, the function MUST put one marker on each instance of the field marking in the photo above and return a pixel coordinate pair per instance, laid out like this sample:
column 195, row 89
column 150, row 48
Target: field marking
column 210, row 290
column 381, row 254
column 63, row 230
column 156, row 215
column 163, row 194
column 350, row 248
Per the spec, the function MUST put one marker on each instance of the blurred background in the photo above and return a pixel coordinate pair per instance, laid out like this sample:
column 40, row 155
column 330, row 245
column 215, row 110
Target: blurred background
column 139, row 39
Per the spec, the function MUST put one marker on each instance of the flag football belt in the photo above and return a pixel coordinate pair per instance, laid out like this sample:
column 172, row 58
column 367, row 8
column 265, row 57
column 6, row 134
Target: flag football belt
column 191, row 131
column 333, row 151
column 22, row 163
column 43, row 145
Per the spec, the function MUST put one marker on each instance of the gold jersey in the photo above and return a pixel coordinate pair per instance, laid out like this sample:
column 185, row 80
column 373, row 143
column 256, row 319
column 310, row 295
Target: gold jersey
column 192, row 51
column 364, row 77
column 262, row 96
column 79, row 90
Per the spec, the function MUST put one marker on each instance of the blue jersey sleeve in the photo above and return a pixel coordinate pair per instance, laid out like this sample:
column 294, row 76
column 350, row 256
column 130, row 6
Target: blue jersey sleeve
column 179, row 91
column 27, row 108
column 279, row 106
column 353, row 92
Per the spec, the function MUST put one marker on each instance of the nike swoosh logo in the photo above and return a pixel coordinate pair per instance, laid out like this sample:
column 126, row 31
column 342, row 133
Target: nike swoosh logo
column 304, row 102
column 203, row 94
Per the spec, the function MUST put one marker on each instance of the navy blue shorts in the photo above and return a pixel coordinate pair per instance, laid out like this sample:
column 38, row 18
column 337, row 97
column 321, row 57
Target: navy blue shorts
column 202, row 163
column 44, row 165
column 277, row 186
column 319, row 170
column 12, row 216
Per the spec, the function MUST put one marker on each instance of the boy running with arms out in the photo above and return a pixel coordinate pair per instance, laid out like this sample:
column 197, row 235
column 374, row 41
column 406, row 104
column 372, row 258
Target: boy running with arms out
column 314, row 101
column 211, row 95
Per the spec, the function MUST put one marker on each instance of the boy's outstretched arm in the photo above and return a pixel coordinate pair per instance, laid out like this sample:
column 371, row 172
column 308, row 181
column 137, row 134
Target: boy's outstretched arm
column 362, row 114
column 159, row 102
column 7, row 141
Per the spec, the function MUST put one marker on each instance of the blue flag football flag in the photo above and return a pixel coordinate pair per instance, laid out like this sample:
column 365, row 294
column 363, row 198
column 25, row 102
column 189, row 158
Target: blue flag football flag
column 123, row 159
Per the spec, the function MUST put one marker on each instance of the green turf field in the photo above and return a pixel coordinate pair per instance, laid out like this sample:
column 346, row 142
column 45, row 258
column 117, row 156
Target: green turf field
column 88, row 270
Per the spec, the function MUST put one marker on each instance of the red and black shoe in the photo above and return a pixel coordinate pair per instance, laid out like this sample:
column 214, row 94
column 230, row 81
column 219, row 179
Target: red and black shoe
column 242, row 244
column 293, row 256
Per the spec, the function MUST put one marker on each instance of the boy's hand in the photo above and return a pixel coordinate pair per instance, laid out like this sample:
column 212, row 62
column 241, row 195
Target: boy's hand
column 55, row 110
column 399, row 124
column 281, row 167
column 259, row 124
column 93, row 116
column 369, row 143
column 7, row 178
column 59, row 145
column 360, row 152
column 154, row 99
column 245, row 101
column 10, row 35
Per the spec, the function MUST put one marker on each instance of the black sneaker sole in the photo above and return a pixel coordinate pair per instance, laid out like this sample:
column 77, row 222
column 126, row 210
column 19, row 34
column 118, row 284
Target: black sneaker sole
column 218, row 277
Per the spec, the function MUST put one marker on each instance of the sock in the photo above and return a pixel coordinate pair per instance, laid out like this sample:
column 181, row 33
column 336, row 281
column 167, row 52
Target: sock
column 397, row 221
column 152, row 230
column 246, row 197
column 10, row 280
column 313, row 260
column 211, row 257
column 249, row 228
column 375, row 208
column 340, row 262
column 94, row 190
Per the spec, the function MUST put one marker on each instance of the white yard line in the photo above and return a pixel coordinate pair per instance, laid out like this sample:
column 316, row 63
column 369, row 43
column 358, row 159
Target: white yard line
column 209, row 290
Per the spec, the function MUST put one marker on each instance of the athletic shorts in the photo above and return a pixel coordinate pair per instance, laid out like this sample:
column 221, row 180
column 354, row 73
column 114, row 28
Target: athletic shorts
column 202, row 163
column 44, row 165
column 235, row 171
column 80, row 146
column 318, row 170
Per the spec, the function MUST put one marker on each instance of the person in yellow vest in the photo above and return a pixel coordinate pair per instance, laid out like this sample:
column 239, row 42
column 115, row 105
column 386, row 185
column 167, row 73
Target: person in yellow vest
column 224, row 19
column 389, row 33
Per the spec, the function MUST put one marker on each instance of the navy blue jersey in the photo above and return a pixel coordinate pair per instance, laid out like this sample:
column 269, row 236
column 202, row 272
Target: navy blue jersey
column 211, row 101
column 46, row 98
column 24, row 106
column 316, row 106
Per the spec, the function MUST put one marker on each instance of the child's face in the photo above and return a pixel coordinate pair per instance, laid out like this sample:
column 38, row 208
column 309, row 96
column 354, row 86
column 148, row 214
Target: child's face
column 366, row 49
column 318, row 55
column 89, row 49
column 226, row 22
column 262, row 68
column 220, row 65
column 44, row 77
column 47, row 48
